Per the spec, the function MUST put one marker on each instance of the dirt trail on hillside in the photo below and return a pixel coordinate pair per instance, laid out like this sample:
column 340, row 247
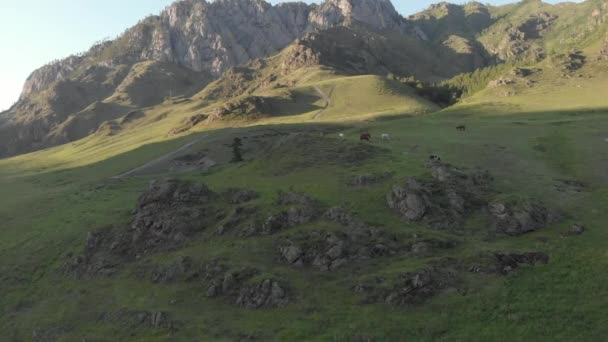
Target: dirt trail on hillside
column 326, row 97
column 158, row 160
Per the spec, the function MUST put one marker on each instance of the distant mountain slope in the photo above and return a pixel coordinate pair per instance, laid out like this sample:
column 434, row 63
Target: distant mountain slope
column 350, row 37
column 208, row 37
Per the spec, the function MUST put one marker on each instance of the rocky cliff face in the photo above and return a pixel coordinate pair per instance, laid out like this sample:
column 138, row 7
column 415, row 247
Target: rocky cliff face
column 215, row 36
column 378, row 14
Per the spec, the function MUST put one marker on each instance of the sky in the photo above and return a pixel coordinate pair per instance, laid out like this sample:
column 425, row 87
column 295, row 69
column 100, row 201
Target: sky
column 35, row 32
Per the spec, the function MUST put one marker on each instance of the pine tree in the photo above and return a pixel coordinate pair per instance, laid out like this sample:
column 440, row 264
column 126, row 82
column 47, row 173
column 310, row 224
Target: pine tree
column 237, row 153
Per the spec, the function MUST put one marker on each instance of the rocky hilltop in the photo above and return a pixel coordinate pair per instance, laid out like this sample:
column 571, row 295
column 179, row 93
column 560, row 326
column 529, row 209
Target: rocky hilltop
column 214, row 36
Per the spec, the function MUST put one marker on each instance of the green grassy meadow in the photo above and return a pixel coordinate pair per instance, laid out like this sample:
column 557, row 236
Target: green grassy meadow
column 529, row 142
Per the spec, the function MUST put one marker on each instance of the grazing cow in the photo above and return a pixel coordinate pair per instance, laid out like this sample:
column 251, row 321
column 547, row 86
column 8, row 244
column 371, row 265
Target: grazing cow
column 365, row 137
column 434, row 158
column 386, row 137
column 341, row 135
column 462, row 128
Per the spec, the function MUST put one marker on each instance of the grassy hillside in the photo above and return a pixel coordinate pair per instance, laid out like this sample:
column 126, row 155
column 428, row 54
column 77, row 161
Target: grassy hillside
column 316, row 235
column 549, row 87
column 531, row 141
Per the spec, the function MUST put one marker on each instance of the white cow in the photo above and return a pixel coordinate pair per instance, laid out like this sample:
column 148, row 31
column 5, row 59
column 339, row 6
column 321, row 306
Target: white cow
column 386, row 137
column 341, row 135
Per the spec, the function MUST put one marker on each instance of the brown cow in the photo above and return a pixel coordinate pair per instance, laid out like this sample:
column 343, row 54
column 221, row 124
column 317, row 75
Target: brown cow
column 461, row 128
column 366, row 137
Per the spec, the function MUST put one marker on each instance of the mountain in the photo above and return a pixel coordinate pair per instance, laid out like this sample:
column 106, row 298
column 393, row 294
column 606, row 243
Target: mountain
column 440, row 177
column 193, row 42
column 206, row 37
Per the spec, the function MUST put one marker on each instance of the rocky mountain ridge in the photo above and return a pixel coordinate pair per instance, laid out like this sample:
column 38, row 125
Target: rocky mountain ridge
column 214, row 36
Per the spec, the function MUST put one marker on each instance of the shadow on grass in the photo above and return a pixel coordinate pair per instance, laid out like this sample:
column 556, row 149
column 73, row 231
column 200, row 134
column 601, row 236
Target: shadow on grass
column 137, row 157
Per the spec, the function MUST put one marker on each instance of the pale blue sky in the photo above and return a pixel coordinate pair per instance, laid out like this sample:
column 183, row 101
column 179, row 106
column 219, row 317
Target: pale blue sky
column 34, row 32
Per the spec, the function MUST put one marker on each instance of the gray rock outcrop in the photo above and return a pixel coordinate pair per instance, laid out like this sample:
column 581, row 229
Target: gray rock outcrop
column 441, row 203
column 519, row 217
column 215, row 36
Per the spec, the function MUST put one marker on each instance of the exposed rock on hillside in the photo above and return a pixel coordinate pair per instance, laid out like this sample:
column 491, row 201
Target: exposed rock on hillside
column 575, row 230
column 332, row 250
column 239, row 286
column 409, row 288
column 443, row 19
column 377, row 14
column 219, row 280
column 301, row 209
column 525, row 72
column 267, row 293
column 249, row 107
column 150, row 319
column 167, row 215
column 505, row 263
column 536, row 25
column 214, row 36
column 571, row 61
column 443, row 202
column 519, row 217
column 603, row 54
column 41, row 78
column 519, row 41
column 501, row 82
column 516, row 76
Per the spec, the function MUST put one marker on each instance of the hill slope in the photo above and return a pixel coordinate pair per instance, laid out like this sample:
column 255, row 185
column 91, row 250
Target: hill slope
column 439, row 43
column 60, row 200
column 147, row 229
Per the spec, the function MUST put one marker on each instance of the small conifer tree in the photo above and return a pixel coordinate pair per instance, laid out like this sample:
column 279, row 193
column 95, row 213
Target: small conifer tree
column 237, row 153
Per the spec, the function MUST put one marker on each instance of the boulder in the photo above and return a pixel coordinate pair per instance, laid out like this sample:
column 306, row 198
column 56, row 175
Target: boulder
column 518, row 217
column 575, row 230
column 329, row 251
column 501, row 82
column 166, row 216
column 241, row 216
column 171, row 203
column 344, row 218
column 409, row 288
column 237, row 196
column 291, row 253
column 421, row 249
column 410, row 199
column 181, row 269
column 140, row 319
column 267, row 293
column 507, row 263
column 158, row 319
column 301, row 209
column 288, row 218
column 444, row 201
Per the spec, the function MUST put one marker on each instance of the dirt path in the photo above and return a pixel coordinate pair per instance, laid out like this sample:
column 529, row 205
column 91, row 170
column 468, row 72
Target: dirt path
column 158, row 160
column 326, row 97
